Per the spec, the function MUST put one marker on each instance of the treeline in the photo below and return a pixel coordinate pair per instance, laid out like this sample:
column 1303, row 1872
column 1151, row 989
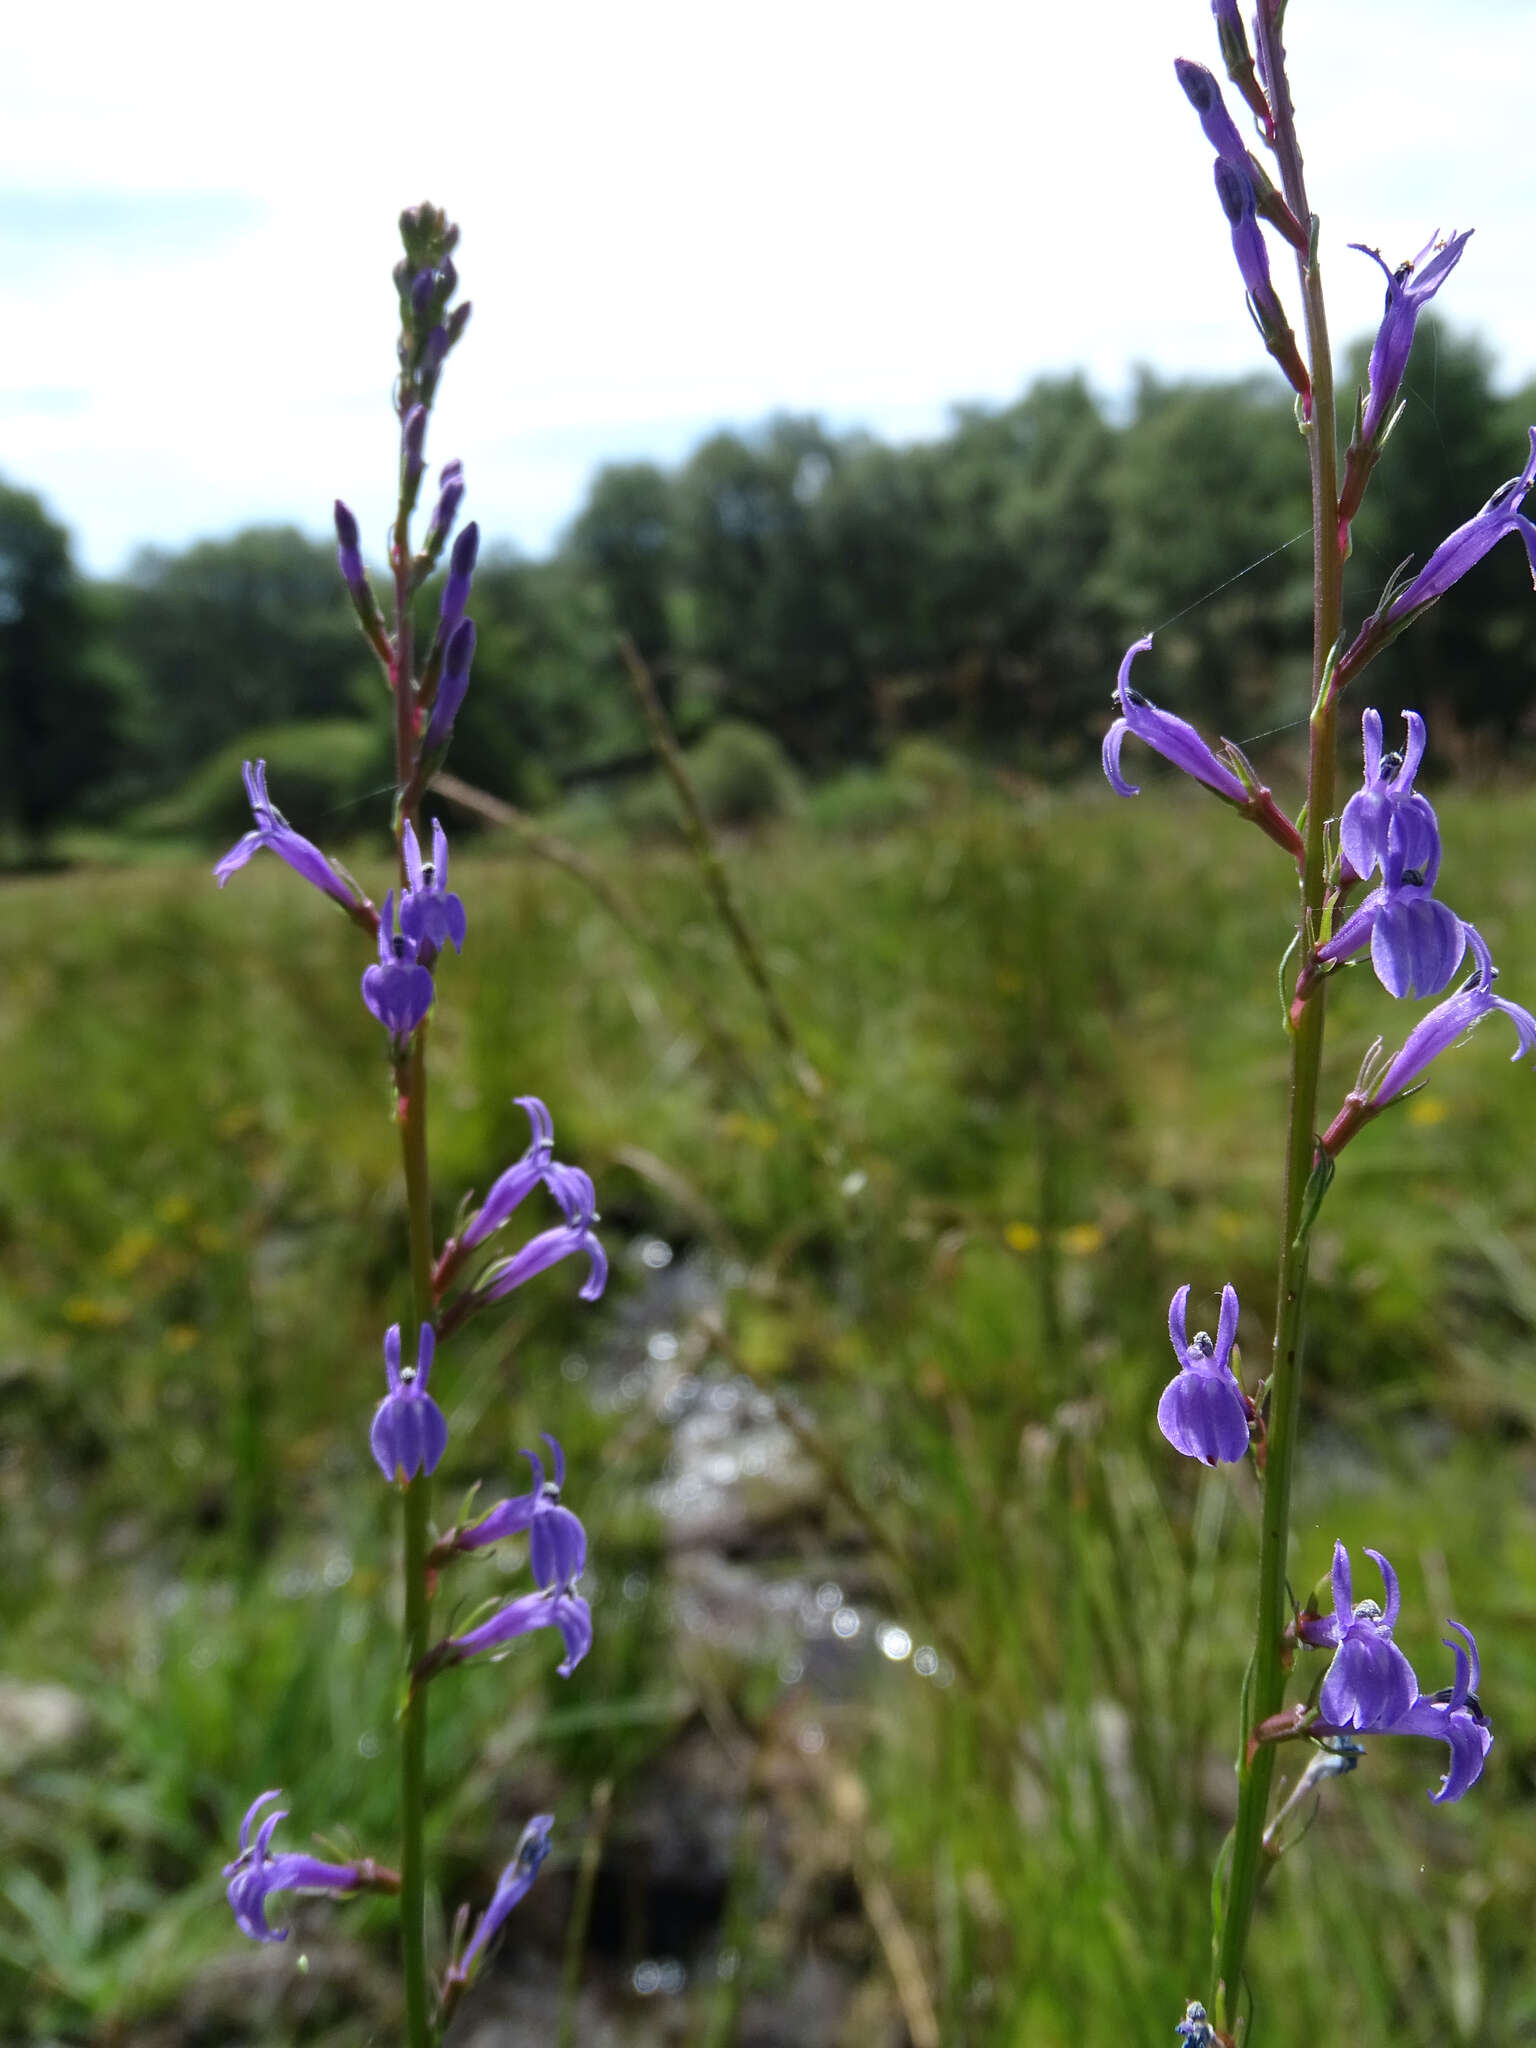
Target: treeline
column 836, row 592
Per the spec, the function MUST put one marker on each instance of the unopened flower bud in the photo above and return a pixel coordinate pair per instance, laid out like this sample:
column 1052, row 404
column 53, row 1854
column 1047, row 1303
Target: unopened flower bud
column 413, row 441
column 450, row 495
column 349, row 559
column 451, row 688
column 461, row 569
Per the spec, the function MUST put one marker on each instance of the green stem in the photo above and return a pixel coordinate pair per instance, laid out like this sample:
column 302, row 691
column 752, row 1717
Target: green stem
column 413, row 1744
column 411, row 1107
column 1265, row 1692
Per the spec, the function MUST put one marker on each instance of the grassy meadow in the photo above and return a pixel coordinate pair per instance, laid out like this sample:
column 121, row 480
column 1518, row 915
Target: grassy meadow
column 1047, row 1031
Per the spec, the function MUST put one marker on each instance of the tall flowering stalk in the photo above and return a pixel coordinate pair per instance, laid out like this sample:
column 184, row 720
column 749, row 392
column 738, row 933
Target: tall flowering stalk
column 1388, row 833
column 419, row 920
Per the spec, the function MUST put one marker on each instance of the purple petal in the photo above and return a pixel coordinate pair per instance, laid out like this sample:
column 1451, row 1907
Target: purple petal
column 1203, row 1415
column 1353, row 933
column 1468, row 1669
column 237, row 856
column 411, row 853
column 1389, row 1580
column 1177, row 1324
column 1226, row 1329
column 1363, row 829
column 557, row 1547
column 507, row 1192
column 1343, row 1592
column 597, row 1269
column 1114, row 740
column 1468, row 1737
column 507, row 1518
column 1413, row 751
column 266, row 1798
column 1370, row 742
column 399, row 995
column 426, row 1351
column 1416, row 945
column 1370, row 1684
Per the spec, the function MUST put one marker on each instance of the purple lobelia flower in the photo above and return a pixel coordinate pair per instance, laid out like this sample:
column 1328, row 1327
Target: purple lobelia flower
column 1466, row 547
column 1409, row 290
column 573, row 1190
column 255, row 1875
column 1166, row 734
column 557, row 1543
column 1451, row 1020
column 408, row 1434
column 430, row 917
column 1443, row 1027
column 1203, row 1412
column 567, row 1612
column 397, row 989
column 519, row 1180
column 452, row 686
column 1390, row 800
column 512, row 1887
column 1370, row 1683
column 273, row 830
column 1416, row 941
column 461, row 574
column 1455, row 1717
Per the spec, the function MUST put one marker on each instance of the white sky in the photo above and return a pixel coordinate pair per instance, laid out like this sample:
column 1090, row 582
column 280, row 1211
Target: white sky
column 675, row 215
